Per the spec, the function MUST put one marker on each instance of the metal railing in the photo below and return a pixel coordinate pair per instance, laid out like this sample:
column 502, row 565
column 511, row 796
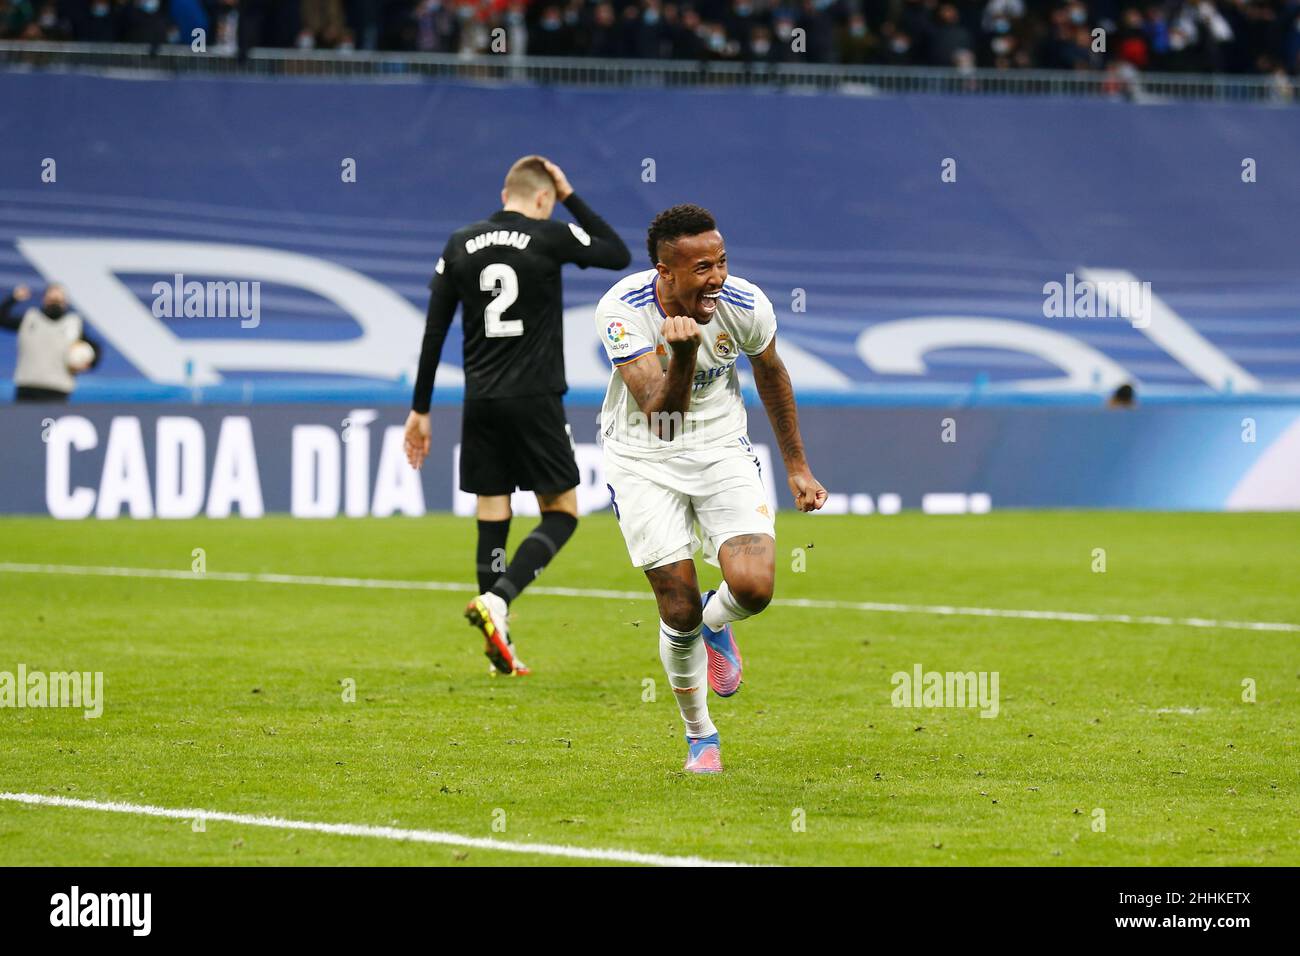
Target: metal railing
column 171, row 60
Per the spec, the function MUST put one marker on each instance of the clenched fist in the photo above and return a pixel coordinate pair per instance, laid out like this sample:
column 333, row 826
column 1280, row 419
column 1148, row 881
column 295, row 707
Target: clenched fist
column 683, row 334
column 809, row 495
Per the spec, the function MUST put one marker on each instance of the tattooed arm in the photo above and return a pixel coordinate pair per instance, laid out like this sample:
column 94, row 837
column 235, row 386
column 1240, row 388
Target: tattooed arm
column 774, row 388
column 665, row 397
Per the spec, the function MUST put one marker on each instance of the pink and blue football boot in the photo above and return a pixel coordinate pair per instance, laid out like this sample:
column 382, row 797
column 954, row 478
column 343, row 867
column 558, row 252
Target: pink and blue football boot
column 704, row 754
column 724, row 657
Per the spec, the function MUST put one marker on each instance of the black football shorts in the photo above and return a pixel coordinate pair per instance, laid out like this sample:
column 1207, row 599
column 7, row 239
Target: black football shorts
column 509, row 443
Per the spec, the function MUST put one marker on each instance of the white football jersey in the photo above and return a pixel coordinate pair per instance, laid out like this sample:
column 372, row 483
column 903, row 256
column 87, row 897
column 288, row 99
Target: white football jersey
column 629, row 319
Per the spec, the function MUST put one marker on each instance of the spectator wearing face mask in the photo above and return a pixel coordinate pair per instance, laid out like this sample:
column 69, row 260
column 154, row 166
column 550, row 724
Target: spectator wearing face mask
column 816, row 19
column 1066, row 46
column 47, row 361
column 739, row 22
column 783, row 27
column 548, row 36
column 50, row 23
column 856, row 43
column 653, row 32
column 719, row 45
column 999, row 24
column 896, row 48
column 96, row 22
column 759, row 48
column 145, row 21
column 998, row 15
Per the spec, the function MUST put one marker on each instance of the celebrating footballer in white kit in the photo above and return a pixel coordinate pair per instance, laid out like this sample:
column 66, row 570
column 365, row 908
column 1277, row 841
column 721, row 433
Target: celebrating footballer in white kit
column 678, row 462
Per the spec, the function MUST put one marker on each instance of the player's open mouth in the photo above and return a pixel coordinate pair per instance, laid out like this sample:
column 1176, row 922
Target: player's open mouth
column 709, row 302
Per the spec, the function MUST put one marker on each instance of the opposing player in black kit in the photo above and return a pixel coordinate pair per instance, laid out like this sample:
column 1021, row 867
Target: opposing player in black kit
column 505, row 271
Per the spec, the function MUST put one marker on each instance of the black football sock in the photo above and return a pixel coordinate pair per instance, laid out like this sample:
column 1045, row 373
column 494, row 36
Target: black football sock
column 491, row 552
column 535, row 553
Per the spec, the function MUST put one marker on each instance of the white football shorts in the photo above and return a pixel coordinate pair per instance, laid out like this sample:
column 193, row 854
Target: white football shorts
column 668, row 508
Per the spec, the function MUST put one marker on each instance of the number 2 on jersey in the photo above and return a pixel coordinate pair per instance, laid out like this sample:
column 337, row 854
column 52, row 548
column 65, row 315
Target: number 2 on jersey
column 495, row 326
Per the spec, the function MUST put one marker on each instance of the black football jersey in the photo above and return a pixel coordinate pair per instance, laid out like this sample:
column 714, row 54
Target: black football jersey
column 504, row 272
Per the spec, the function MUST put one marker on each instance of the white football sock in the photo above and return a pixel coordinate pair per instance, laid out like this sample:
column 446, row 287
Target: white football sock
column 686, row 662
column 723, row 609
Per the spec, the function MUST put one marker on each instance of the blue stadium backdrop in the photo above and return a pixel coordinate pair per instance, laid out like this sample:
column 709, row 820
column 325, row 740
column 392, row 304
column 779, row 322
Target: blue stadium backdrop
column 906, row 242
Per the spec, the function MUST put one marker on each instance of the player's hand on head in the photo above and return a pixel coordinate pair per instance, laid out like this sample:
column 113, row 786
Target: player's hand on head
column 809, row 495
column 682, row 333
column 418, row 432
column 22, row 293
column 562, row 188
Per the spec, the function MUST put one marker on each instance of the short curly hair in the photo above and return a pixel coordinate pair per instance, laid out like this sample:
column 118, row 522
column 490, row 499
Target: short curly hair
column 684, row 220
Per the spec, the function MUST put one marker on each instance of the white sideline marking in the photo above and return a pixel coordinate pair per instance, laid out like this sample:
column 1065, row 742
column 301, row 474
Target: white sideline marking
column 398, row 585
column 359, row 830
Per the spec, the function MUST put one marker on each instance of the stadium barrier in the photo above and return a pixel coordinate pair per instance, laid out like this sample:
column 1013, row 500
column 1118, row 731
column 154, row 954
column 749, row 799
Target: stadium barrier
column 109, row 461
column 592, row 71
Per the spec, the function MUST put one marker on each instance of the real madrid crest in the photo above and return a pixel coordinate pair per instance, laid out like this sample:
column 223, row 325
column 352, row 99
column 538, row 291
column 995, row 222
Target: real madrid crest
column 722, row 347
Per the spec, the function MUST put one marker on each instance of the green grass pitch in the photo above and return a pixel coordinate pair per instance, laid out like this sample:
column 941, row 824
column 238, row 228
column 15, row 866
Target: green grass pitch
column 228, row 696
